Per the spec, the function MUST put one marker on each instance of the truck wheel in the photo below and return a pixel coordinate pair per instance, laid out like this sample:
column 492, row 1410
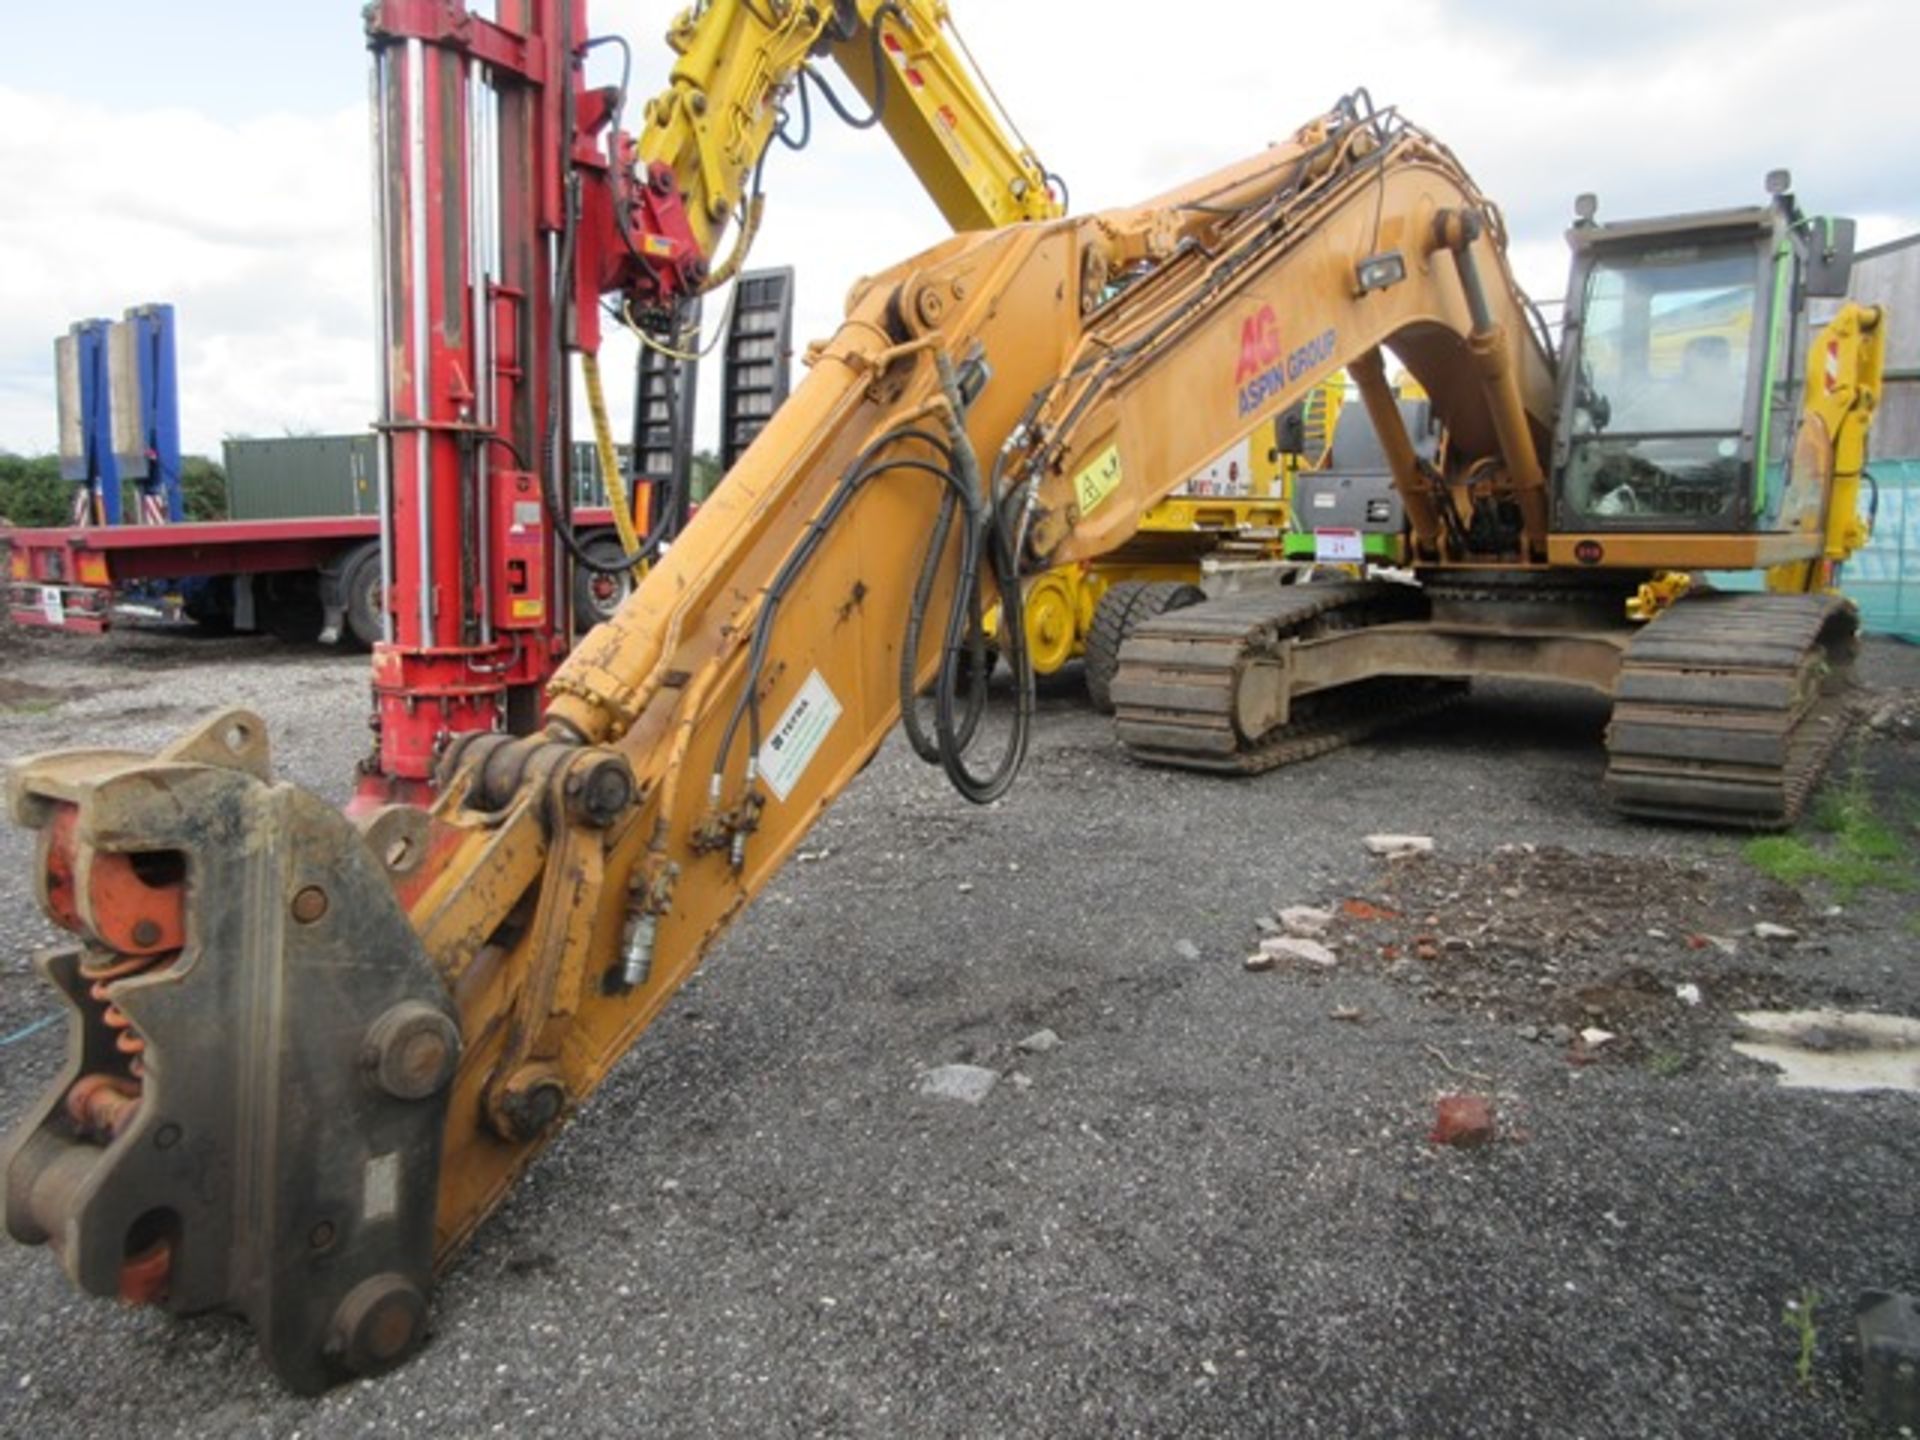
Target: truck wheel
column 289, row 608
column 366, row 595
column 597, row 597
column 208, row 603
column 1121, row 610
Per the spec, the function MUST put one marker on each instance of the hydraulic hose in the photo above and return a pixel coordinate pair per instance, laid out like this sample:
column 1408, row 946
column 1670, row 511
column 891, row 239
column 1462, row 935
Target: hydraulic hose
column 984, row 537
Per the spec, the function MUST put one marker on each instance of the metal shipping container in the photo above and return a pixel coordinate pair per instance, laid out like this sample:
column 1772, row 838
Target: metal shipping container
column 301, row 476
column 308, row 475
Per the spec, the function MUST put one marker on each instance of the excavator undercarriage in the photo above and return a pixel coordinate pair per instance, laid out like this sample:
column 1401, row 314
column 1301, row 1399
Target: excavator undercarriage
column 1726, row 707
column 1213, row 687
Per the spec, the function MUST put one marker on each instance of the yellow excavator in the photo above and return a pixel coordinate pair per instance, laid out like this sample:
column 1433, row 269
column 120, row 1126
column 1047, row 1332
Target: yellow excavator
column 308, row 1056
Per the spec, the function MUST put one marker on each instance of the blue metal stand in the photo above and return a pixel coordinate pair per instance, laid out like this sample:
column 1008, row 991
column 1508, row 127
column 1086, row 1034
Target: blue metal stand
column 86, row 423
column 120, row 417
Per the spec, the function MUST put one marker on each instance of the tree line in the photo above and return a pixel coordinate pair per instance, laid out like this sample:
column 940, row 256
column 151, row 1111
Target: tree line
column 33, row 494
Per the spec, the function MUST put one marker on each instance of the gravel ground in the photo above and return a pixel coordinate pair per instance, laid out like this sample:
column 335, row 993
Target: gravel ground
column 1212, row 1210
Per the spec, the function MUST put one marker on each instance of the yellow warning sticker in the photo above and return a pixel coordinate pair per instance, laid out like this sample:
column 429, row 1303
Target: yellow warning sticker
column 529, row 609
column 1099, row 480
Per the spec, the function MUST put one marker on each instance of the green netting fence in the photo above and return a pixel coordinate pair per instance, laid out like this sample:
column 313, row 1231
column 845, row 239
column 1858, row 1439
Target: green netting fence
column 1884, row 578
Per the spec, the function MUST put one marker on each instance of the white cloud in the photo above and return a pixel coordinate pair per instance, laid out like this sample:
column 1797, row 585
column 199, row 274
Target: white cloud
column 259, row 231
column 256, row 232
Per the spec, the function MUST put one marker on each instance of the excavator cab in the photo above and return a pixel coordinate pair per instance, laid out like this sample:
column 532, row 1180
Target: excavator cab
column 1684, row 359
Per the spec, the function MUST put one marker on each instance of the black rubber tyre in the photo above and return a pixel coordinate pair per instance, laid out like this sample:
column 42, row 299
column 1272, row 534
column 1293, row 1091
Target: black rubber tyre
column 288, row 606
column 597, row 597
column 208, row 603
column 1125, row 606
column 365, row 594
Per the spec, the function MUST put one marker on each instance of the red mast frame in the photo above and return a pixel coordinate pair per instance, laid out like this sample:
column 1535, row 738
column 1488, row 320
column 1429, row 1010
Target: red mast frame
column 497, row 178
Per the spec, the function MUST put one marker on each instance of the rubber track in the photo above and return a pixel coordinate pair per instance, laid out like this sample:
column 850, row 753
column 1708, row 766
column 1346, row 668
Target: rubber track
column 1729, row 707
column 1174, row 690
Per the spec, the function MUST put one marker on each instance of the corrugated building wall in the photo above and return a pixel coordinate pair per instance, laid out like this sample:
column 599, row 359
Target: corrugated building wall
column 1889, row 276
column 1885, row 577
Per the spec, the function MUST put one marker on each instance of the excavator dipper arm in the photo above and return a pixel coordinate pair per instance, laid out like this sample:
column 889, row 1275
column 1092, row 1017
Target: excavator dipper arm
column 744, row 78
column 308, row 1058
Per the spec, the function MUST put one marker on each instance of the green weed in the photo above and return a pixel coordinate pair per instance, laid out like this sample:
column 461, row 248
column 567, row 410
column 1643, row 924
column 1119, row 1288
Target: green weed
column 1798, row 1317
column 1793, row 861
column 1856, row 848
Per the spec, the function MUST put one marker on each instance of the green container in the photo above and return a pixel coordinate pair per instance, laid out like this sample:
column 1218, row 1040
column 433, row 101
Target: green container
column 308, row 475
column 302, row 476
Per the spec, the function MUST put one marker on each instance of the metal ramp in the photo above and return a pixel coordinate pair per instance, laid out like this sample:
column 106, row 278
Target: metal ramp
column 663, row 411
column 759, row 358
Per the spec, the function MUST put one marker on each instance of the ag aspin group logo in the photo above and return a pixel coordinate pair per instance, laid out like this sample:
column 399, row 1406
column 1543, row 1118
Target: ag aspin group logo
column 1266, row 367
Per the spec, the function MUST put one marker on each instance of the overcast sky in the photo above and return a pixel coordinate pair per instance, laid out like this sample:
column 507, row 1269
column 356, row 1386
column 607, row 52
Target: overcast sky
column 213, row 153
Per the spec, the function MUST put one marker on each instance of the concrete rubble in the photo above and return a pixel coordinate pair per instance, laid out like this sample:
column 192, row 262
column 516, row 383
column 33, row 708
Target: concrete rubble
column 968, row 1084
column 1399, row 847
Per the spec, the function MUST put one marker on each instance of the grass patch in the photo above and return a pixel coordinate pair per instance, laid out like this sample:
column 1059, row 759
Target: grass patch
column 1852, row 847
column 1669, row 1064
column 1798, row 1317
column 1793, row 861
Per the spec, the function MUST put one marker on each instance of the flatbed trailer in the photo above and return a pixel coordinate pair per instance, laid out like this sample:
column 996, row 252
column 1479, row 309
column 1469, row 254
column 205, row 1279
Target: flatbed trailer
column 248, row 574
column 321, row 576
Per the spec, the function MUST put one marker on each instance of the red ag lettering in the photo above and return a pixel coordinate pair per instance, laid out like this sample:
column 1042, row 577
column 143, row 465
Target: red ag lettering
column 1259, row 345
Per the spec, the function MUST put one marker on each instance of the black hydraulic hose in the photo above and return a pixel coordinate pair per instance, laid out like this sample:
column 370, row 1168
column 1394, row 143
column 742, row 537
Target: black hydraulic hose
column 1443, row 502
column 558, row 377
column 990, row 526
column 984, row 535
column 1013, row 623
column 925, row 746
column 747, row 707
column 806, row 121
column 879, row 59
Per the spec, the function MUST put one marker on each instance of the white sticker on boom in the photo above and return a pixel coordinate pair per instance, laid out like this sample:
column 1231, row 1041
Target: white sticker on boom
column 380, row 1197
column 798, row 736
